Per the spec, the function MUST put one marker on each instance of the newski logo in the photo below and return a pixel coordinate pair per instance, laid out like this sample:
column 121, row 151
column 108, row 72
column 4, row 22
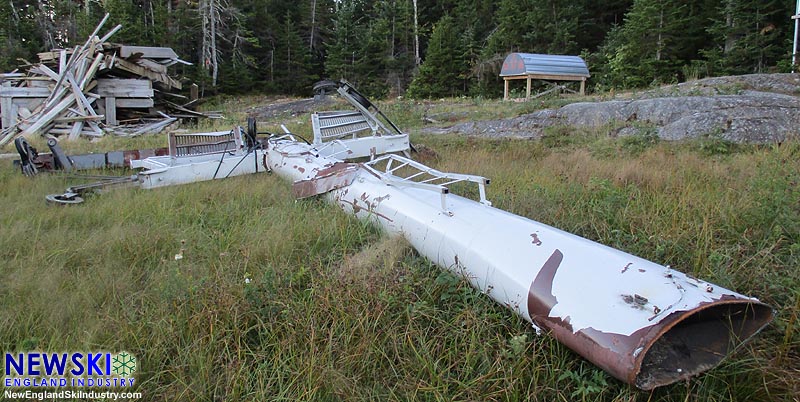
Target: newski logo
column 76, row 369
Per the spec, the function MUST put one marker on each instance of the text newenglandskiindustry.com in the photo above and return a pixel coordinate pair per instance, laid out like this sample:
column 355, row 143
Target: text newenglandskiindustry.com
column 51, row 395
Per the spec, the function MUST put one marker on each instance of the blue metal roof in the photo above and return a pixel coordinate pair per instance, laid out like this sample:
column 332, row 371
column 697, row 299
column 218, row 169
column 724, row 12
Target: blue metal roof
column 546, row 64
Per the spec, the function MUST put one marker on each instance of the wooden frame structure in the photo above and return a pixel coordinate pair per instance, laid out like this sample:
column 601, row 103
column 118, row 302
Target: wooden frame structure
column 529, row 66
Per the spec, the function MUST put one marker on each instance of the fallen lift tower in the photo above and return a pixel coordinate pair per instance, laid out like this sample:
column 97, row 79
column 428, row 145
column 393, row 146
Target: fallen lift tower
column 645, row 324
column 345, row 135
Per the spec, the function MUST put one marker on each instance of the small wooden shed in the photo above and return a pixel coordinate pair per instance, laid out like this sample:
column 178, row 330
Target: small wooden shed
column 531, row 66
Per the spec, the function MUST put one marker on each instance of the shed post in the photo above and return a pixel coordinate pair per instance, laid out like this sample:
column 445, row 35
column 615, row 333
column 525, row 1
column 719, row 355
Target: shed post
column 528, row 89
column 583, row 87
column 505, row 91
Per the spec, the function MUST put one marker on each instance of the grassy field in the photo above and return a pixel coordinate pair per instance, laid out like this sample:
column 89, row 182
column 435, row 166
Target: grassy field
column 282, row 300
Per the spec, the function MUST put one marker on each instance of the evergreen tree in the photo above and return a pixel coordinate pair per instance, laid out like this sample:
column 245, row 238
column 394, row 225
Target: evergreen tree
column 19, row 33
column 443, row 71
column 509, row 35
column 748, row 36
column 648, row 48
column 293, row 57
column 347, row 33
column 553, row 28
column 396, row 16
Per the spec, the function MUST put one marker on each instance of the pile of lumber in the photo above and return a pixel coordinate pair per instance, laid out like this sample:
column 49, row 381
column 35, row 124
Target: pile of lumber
column 93, row 89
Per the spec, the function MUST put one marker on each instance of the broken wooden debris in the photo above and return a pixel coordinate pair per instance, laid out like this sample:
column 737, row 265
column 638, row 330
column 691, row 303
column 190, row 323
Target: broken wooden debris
column 91, row 89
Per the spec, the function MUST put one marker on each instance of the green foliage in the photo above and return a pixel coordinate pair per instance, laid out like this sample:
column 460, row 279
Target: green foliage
column 588, row 382
column 647, row 49
column 715, row 144
column 442, row 74
column 282, row 300
column 749, row 36
column 279, row 46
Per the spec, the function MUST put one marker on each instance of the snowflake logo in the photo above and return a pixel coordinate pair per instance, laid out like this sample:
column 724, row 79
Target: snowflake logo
column 123, row 364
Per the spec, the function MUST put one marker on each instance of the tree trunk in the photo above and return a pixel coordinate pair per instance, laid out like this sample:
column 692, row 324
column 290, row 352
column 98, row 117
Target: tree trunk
column 213, row 14
column 208, row 50
column 417, row 59
column 730, row 39
column 14, row 12
column 660, row 41
column 313, row 25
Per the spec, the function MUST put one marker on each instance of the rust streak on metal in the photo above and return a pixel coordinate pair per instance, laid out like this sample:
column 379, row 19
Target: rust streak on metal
column 540, row 296
column 357, row 208
column 337, row 176
column 378, row 200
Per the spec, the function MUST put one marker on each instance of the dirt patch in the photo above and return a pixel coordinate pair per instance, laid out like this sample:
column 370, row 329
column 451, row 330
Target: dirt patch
column 759, row 108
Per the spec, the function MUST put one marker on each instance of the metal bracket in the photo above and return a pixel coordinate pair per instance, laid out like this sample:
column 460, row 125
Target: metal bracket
column 422, row 176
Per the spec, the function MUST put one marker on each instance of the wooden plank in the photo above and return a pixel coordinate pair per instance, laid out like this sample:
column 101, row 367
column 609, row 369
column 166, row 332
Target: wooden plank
column 87, row 78
column 154, row 128
column 111, row 111
column 28, row 103
column 148, row 52
column 47, row 117
column 62, row 61
column 6, row 76
column 24, row 92
column 75, row 131
column 52, row 55
column 125, row 88
column 44, row 70
column 53, row 99
column 80, row 69
column 80, row 99
column 135, row 102
column 40, row 82
column 7, row 119
column 24, row 112
column 157, row 67
column 111, row 32
column 528, row 89
column 78, row 119
column 95, row 127
column 126, row 66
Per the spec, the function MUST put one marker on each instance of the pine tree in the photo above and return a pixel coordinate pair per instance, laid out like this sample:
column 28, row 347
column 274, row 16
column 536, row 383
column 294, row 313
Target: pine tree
column 648, row 47
column 443, row 71
column 511, row 28
column 293, row 57
column 555, row 28
column 748, row 36
column 347, row 33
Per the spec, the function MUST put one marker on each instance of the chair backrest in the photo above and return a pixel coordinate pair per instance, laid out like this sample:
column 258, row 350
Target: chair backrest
column 205, row 143
column 329, row 126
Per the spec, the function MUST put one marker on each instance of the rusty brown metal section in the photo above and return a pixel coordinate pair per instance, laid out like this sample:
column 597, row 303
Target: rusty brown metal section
column 337, row 176
column 683, row 344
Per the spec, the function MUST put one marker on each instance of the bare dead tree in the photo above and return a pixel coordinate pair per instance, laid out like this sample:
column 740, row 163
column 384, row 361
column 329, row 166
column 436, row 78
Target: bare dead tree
column 313, row 25
column 417, row 59
column 210, row 26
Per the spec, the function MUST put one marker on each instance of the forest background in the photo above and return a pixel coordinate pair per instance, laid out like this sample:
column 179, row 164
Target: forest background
column 418, row 48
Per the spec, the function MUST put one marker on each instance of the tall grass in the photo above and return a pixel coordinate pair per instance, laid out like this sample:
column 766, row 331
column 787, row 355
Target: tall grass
column 276, row 299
